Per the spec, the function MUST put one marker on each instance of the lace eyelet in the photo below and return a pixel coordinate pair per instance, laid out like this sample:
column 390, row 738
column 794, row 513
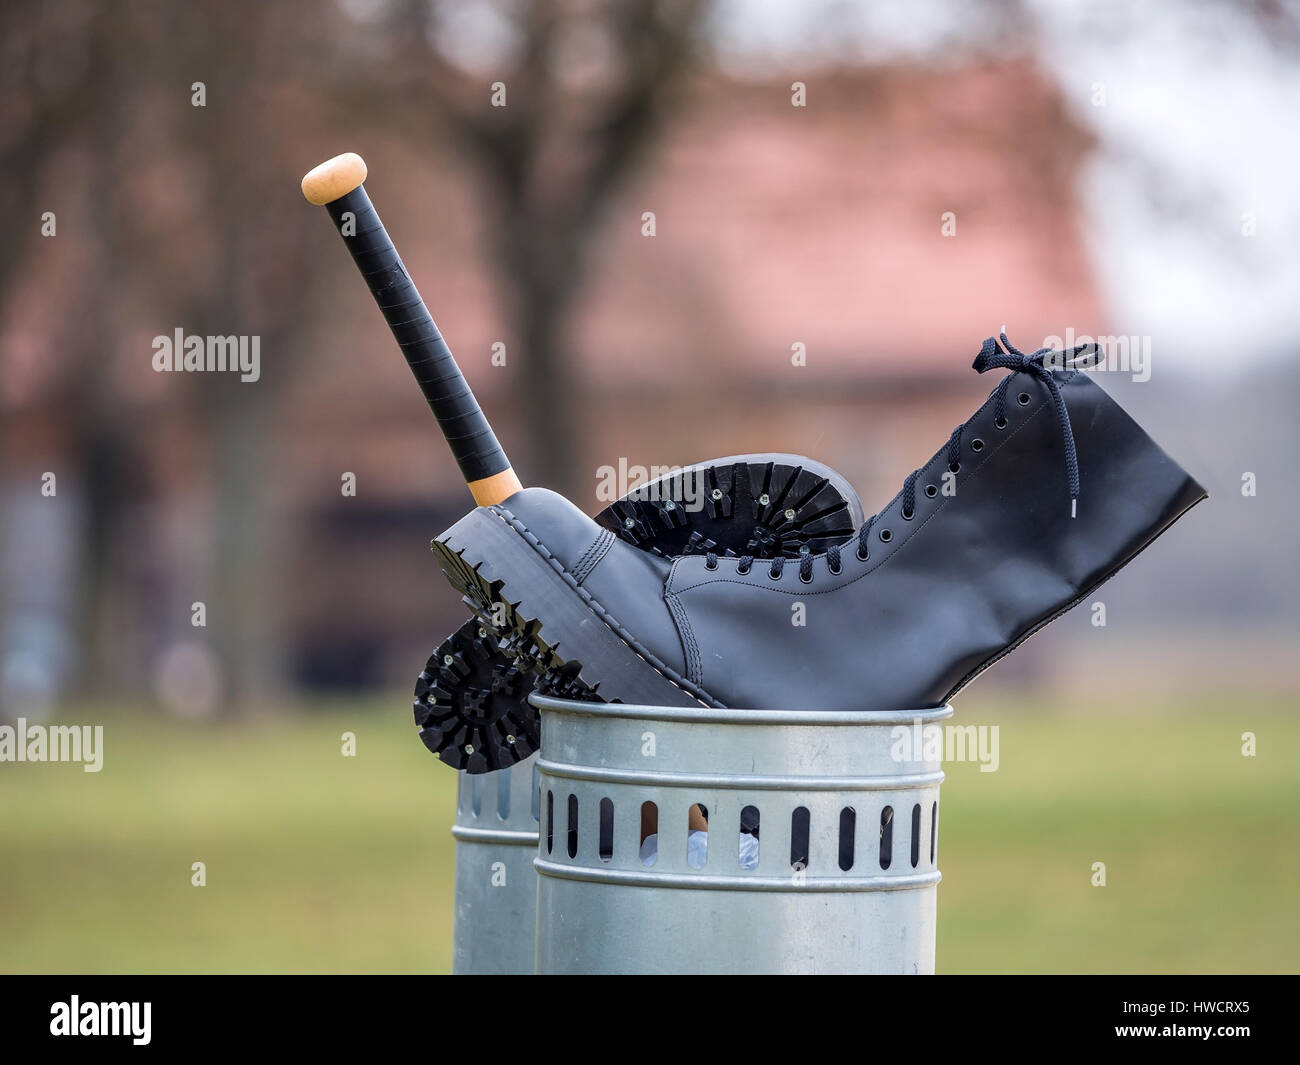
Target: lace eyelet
column 977, row 445
column 954, row 467
column 808, row 581
column 908, row 515
column 710, row 565
column 743, row 571
column 1023, row 399
column 834, row 570
column 774, row 574
column 931, row 491
column 861, row 556
column 885, row 536
column 1000, row 423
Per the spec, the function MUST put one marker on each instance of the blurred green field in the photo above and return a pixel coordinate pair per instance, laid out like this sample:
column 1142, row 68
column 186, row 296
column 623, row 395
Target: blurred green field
column 321, row 863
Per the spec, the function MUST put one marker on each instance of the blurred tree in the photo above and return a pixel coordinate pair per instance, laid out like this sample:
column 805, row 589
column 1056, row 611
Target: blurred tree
column 240, row 150
column 553, row 112
column 62, row 105
column 177, row 214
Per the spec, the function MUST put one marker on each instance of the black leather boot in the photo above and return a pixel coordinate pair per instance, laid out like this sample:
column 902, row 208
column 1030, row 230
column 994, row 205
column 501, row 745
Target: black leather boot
column 471, row 700
column 1043, row 494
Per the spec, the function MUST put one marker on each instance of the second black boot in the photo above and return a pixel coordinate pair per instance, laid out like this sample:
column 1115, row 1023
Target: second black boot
column 1043, row 494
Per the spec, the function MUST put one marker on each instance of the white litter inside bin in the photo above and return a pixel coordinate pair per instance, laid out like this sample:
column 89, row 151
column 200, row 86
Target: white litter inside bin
column 697, row 849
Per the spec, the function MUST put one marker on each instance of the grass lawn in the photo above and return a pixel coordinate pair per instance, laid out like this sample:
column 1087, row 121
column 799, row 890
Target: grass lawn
column 320, row 863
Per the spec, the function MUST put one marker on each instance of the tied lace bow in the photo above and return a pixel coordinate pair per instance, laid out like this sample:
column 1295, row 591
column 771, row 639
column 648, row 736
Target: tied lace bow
column 1040, row 364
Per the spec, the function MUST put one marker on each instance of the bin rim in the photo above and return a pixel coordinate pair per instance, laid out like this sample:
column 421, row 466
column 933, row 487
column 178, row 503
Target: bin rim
column 708, row 715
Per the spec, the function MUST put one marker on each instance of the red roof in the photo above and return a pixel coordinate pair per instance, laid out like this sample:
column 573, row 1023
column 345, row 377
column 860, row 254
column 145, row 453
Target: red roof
column 822, row 225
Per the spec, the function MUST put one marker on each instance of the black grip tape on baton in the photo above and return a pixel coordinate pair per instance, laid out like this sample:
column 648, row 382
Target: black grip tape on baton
column 472, row 442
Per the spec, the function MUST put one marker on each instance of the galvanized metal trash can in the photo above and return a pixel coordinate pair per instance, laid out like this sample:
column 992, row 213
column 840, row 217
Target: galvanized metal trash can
column 496, row 888
column 685, row 840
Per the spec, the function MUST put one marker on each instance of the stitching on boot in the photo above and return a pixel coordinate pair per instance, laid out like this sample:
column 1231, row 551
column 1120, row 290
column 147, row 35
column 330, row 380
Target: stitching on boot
column 610, row 621
column 591, row 557
column 580, row 567
column 690, row 646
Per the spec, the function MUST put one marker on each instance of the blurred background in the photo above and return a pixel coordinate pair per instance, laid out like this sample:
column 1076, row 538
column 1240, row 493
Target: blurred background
column 693, row 229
